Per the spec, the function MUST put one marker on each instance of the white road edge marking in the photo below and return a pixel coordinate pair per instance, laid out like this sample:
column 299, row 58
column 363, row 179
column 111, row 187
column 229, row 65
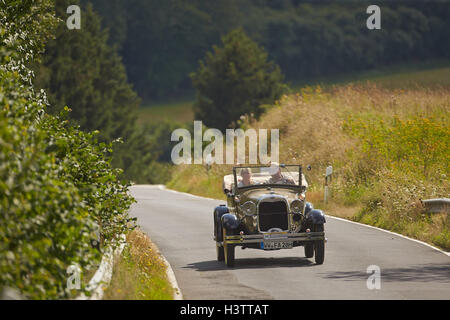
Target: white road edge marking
column 390, row 232
column 177, row 295
column 163, row 187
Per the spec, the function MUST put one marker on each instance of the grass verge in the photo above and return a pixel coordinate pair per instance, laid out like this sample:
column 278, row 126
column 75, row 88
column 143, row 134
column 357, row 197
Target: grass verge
column 139, row 273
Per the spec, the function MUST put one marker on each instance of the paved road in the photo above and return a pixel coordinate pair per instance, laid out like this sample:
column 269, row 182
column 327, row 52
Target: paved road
column 181, row 225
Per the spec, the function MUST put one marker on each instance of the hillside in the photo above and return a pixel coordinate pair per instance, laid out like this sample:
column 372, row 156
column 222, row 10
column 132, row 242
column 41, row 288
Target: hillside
column 305, row 38
column 388, row 148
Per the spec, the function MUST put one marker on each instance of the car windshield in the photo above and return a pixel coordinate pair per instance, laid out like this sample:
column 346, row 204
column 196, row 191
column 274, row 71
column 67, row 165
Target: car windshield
column 268, row 175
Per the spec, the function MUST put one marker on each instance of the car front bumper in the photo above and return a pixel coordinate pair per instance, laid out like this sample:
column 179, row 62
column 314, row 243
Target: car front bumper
column 274, row 237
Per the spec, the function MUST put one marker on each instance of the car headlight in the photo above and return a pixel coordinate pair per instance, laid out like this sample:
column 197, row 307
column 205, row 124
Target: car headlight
column 297, row 206
column 301, row 196
column 249, row 208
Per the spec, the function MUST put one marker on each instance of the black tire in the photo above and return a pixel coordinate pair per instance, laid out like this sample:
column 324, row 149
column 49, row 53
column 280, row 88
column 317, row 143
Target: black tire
column 309, row 250
column 218, row 236
column 228, row 250
column 220, row 252
column 319, row 246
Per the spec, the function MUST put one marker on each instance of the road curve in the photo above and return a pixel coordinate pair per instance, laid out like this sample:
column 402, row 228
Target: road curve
column 181, row 225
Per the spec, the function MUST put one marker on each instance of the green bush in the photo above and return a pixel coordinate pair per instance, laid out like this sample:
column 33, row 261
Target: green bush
column 56, row 181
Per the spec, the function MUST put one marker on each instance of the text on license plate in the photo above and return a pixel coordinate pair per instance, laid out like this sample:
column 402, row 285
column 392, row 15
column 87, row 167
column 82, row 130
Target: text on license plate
column 277, row 245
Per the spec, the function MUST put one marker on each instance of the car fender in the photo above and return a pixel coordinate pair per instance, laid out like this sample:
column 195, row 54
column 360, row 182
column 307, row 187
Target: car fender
column 230, row 221
column 308, row 207
column 219, row 211
column 316, row 216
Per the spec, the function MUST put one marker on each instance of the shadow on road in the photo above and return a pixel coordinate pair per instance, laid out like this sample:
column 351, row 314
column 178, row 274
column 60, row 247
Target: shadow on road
column 419, row 273
column 252, row 263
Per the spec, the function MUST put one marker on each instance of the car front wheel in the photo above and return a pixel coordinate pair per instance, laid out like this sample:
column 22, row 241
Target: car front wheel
column 319, row 246
column 309, row 250
column 220, row 252
column 219, row 247
column 228, row 251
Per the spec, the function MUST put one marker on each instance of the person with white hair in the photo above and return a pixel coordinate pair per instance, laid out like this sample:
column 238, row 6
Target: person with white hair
column 277, row 177
column 246, row 175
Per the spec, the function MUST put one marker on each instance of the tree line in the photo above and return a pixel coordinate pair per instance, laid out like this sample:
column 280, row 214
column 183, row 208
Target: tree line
column 81, row 70
column 161, row 42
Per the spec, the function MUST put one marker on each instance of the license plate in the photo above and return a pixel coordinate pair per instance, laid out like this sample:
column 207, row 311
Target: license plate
column 270, row 245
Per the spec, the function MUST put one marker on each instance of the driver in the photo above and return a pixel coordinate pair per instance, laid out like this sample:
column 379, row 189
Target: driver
column 277, row 177
column 246, row 178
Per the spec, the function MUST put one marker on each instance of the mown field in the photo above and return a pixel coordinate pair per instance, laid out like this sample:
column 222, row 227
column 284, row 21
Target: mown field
column 387, row 140
column 422, row 74
column 176, row 111
column 425, row 74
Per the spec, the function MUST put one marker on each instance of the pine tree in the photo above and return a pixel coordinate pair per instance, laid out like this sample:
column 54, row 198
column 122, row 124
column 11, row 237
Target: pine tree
column 82, row 71
column 234, row 80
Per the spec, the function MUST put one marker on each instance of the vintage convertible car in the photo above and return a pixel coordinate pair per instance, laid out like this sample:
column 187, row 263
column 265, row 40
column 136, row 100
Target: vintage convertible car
column 267, row 210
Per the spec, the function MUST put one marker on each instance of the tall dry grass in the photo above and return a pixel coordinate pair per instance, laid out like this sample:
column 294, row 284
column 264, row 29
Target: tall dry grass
column 311, row 122
column 312, row 126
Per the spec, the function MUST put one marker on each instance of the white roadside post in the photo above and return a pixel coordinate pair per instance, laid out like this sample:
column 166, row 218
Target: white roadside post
column 328, row 172
column 208, row 162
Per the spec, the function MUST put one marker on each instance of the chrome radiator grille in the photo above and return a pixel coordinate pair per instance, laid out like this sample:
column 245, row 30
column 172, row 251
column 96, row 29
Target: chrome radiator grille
column 273, row 215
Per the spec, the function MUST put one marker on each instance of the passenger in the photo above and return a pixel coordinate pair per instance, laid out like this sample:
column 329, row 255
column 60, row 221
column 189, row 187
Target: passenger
column 277, row 177
column 246, row 178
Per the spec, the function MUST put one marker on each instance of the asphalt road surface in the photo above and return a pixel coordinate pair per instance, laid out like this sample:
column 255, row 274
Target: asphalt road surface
column 181, row 225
